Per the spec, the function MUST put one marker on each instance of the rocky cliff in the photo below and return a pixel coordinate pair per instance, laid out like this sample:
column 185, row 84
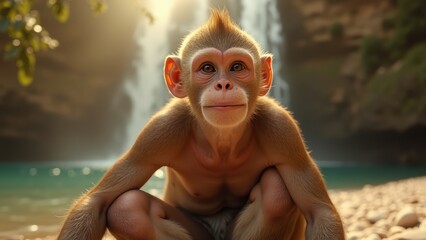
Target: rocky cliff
column 355, row 70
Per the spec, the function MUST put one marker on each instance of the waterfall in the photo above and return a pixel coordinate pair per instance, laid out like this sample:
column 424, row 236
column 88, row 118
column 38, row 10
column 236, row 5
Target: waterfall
column 144, row 90
column 261, row 20
column 173, row 20
column 146, row 87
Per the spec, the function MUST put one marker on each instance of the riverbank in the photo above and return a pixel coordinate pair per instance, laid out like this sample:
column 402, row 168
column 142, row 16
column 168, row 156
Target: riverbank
column 391, row 211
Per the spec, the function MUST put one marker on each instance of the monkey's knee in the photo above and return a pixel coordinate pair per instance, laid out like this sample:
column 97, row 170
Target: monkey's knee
column 276, row 200
column 129, row 216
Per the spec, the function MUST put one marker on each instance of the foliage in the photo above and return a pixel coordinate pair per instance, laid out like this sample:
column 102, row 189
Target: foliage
column 372, row 54
column 21, row 22
column 388, row 23
column 396, row 97
column 410, row 29
column 411, row 22
column 399, row 95
column 336, row 30
column 415, row 62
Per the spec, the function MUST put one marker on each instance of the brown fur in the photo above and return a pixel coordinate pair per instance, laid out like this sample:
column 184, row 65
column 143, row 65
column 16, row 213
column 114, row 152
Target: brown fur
column 222, row 33
column 263, row 157
column 219, row 32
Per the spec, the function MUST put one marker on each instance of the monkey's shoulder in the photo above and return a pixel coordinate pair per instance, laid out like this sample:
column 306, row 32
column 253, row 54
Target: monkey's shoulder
column 176, row 109
column 167, row 129
column 272, row 120
column 172, row 122
column 272, row 112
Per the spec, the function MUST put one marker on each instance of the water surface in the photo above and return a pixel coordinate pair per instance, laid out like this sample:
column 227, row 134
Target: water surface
column 34, row 197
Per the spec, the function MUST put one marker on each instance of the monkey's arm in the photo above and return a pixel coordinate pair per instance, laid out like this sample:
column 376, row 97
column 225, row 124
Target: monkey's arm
column 87, row 217
column 307, row 188
column 161, row 138
column 301, row 176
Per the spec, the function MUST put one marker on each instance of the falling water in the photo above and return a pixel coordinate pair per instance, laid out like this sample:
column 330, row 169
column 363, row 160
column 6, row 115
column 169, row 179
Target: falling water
column 261, row 20
column 173, row 20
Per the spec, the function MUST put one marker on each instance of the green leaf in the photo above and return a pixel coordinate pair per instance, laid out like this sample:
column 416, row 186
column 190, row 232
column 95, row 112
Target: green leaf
column 24, row 7
column 61, row 9
column 26, row 65
column 6, row 4
column 35, row 43
column 25, row 78
column 98, row 6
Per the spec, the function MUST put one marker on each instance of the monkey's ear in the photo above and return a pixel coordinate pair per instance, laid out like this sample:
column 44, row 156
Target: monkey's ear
column 267, row 73
column 172, row 75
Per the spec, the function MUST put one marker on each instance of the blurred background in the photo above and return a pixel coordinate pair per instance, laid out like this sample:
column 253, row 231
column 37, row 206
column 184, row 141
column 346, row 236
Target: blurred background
column 352, row 72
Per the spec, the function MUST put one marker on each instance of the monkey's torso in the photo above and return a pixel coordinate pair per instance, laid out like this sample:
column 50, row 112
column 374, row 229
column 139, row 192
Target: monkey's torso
column 204, row 183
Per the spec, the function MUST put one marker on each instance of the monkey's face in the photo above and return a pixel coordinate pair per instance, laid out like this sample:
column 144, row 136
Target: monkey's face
column 223, row 85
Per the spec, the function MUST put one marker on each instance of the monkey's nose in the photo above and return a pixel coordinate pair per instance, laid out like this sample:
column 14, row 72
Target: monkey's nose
column 224, row 85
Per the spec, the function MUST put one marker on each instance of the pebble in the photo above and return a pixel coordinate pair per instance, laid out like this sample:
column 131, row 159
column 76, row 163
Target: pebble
column 395, row 229
column 373, row 236
column 407, row 217
column 392, row 211
column 374, row 216
column 423, row 224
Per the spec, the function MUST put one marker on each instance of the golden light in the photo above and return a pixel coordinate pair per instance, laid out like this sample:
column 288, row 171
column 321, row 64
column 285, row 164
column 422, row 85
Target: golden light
column 37, row 28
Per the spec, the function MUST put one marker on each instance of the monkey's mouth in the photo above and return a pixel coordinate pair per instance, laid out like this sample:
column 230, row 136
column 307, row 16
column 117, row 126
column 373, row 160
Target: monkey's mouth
column 225, row 106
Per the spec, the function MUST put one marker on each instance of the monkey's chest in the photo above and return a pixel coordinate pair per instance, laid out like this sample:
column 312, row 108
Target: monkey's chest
column 220, row 184
column 207, row 194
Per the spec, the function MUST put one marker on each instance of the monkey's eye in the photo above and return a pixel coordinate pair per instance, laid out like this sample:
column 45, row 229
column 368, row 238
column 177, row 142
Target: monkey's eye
column 238, row 66
column 208, row 68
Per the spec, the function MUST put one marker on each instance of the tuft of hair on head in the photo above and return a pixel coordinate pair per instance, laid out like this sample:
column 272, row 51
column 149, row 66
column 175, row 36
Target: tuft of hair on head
column 218, row 32
column 220, row 20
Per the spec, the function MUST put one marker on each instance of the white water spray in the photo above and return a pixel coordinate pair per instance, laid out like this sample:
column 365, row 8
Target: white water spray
column 261, row 20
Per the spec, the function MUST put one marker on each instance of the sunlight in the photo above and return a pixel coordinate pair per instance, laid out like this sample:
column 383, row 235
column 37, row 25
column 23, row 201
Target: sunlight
column 56, row 171
column 33, row 171
column 160, row 10
column 159, row 173
column 33, row 228
column 86, row 171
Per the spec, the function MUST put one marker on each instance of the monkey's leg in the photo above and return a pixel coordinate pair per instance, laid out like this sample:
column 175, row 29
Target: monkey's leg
column 137, row 215
column 270, row 214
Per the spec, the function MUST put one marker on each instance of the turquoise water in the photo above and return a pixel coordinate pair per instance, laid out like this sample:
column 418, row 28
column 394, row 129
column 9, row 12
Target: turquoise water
column 35, row 196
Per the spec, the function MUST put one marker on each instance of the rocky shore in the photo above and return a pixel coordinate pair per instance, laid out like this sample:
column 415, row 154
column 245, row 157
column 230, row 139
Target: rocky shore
column 393, row 211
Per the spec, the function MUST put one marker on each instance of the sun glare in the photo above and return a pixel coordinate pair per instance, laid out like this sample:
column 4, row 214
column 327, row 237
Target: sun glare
column 159, row 9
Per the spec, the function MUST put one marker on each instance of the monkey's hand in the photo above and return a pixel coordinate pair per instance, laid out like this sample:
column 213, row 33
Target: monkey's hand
column 86, row 220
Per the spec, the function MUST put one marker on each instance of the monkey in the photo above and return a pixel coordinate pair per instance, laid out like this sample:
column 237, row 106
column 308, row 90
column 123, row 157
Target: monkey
column 237, row 164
